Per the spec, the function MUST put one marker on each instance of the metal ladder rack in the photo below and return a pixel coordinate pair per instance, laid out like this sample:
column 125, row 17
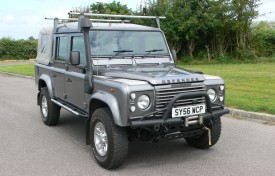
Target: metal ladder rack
column 82, row 15
column 96, row 20
column 157, row 18
column 57, row 20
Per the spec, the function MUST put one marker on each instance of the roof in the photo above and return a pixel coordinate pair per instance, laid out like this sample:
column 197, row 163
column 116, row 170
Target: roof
column 106, row 26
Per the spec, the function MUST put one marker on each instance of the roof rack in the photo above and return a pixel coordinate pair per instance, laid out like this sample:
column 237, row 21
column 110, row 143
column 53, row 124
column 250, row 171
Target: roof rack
column 99, row 20
column 157, row 18
column 81, row 16
column 57, row 20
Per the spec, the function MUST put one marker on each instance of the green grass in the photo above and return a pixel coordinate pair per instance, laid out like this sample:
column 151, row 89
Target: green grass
column 249, row 87
column 22, row 69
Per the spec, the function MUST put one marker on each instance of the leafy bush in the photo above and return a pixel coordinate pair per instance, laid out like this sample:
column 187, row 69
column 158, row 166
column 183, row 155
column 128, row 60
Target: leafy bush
column 17, row 49
column 264, row 39
column 245, row 55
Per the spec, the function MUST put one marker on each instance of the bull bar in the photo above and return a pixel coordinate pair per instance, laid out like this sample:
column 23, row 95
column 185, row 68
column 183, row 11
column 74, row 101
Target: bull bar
column 208, row 116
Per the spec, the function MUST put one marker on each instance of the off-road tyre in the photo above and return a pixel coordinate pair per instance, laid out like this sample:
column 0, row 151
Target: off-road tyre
column 53, row 110
column 116, row 137
column 202, row 142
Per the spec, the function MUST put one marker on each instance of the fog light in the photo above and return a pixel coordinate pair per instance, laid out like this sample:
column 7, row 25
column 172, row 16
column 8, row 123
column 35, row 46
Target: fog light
column 221, row 98
column 133, row 108
column 221, row 88
column 133, row 96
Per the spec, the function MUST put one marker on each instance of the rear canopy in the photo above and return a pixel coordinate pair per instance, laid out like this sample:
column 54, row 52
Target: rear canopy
column 44, row 49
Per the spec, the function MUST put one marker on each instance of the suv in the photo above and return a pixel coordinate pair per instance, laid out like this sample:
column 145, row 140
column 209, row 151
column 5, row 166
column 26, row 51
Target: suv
column 122, row 80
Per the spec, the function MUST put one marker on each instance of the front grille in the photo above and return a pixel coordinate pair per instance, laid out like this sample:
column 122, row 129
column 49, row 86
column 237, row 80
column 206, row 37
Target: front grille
column 164, row 95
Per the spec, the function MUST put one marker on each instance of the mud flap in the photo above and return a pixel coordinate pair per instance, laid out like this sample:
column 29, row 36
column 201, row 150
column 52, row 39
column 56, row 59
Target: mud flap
column 38, row 98
column 87, row 124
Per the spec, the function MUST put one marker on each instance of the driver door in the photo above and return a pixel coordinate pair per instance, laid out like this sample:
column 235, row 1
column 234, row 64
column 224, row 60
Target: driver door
column 74, row 77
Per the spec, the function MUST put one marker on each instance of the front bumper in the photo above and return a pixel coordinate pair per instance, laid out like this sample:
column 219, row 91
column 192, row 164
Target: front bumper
column 166, row 119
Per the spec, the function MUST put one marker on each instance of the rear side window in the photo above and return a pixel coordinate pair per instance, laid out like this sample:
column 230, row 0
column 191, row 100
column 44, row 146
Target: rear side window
column 78, row 45
column 44, row 43
column 62, row 48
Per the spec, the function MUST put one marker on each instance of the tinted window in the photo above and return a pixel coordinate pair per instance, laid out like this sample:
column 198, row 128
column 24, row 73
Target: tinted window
column 62, row 48
column 78, row 45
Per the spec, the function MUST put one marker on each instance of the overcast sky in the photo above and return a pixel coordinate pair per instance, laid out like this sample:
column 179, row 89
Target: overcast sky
column 20, row 19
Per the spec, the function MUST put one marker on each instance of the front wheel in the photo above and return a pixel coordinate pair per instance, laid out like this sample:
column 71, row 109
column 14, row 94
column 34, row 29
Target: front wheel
column 202, row 142
column 109, row 141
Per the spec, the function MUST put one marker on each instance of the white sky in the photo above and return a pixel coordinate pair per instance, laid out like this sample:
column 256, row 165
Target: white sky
column 20, row 19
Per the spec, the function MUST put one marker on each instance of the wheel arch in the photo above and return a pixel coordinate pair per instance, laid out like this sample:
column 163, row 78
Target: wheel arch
column 98, row 100
column 103, row 99
column 45, row 81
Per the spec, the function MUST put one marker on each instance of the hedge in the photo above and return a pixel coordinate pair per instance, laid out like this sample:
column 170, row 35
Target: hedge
column 17, row 49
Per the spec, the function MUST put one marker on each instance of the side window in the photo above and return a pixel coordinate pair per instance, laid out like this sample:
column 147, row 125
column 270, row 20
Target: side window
column 62, row 48
column 78, row 45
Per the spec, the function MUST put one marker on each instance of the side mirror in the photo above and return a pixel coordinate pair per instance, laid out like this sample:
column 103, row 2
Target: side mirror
column 174, row 55
column 75, row 58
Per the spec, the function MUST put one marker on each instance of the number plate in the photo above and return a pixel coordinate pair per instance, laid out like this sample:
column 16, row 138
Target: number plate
column 188, row 110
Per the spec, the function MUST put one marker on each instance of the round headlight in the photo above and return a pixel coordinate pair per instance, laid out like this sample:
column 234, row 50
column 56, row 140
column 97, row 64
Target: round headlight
column 212, row 94
column 143, row 102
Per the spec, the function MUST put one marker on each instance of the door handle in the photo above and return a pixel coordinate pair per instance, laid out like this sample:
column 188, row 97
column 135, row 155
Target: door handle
column 69, row 80
column 54, row 76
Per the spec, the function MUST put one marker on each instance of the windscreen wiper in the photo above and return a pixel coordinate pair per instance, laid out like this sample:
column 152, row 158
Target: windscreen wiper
column 152, row 51
column 122, row 51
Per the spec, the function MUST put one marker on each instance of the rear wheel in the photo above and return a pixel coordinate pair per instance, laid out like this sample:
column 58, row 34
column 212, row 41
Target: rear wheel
column 109, row 141
column 50, row 111
column 202, row 142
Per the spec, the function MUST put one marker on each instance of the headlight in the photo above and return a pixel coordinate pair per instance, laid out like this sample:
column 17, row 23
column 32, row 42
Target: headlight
column 212, row 94
column 143, row 102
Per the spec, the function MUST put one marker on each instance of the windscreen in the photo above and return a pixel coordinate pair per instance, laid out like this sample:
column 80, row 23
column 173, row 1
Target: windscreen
column 127, row 43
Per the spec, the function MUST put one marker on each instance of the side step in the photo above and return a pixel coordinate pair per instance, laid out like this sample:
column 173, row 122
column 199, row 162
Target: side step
column 71, row 109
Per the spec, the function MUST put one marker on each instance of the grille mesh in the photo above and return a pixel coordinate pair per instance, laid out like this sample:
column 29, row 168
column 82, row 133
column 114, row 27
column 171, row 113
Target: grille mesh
column 165, row 95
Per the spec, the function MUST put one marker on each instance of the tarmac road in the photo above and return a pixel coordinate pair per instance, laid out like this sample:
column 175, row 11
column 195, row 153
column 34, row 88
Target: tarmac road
column 28, row 147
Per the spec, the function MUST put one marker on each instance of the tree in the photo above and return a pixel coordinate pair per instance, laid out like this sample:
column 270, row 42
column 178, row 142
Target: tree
column 31, row 38
column 201, row 28
column 263, row 38
column 82, row 9
column 220, row 27
column 110, row 8
column 185, row 22
column 243, row 12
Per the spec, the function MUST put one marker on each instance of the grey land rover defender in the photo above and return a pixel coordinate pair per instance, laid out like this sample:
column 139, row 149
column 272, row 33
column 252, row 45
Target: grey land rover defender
column 121, row 78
